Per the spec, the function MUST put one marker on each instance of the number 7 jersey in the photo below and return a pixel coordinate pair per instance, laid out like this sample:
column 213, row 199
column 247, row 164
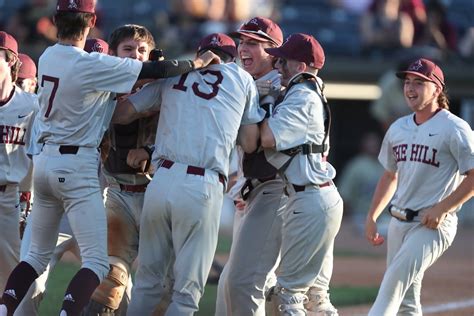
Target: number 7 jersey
column 75, row 93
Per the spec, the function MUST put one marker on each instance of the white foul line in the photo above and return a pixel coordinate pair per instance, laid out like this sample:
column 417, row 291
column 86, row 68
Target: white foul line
column 448, row 306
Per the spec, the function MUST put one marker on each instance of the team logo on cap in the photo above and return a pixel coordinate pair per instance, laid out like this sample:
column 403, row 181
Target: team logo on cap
column 98, row 47
column 416, row 65
column 253, row 21
column 215, row 41
column 72, row 4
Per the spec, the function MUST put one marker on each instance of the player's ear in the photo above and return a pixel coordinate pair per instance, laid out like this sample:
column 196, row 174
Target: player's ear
column 301, row 67
column 92, row 21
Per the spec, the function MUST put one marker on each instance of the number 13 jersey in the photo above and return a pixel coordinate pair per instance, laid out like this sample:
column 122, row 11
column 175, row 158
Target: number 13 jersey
column 200, row 114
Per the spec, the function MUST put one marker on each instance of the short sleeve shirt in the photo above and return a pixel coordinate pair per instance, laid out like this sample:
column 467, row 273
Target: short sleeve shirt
column 429, row 158
column 76, row 93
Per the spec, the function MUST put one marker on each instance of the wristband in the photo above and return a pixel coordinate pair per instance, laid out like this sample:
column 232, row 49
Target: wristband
column 149, row 149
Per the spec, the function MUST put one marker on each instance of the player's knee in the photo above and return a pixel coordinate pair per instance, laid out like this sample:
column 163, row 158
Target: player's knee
column 110, row 291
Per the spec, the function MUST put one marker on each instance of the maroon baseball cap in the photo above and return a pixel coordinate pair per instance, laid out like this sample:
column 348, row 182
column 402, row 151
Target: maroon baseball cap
column 96, row 45
column 218, row 41
column 8, row 42
column 260, row 29
column 425, row 69
column 27, row 67
column 85, row 6
column 300, row 47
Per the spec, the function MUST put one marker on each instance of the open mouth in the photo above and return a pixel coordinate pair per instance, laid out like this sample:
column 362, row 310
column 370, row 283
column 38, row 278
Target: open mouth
column 246, row 61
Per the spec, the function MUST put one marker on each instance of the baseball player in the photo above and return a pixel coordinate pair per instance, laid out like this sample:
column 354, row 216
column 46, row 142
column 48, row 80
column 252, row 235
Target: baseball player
column 298, row 131
column 17, row 111
column 27, row 75
column 428, row 158
column 201, row 114
column 125, row 184
column 256, row 244
column 30, row 304
column 26, row 80
column 76, row 107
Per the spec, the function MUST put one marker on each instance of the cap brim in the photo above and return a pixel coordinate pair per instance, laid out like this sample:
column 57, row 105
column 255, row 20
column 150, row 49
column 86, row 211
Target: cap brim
column 277, row 52
column 254, row 36
column 6, row 48
column 402, row 74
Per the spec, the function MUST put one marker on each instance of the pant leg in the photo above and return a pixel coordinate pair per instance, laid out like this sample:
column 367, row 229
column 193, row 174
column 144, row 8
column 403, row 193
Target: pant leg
column 411, row 304
column 29, row 306
column 222, row 307
column 222, row 293
column 48, row 210
column 421, row 247
column 155, row 248
column 181, row 216
column 310, row 224
column 256, row 251
column 123, row 219
column 9, row 232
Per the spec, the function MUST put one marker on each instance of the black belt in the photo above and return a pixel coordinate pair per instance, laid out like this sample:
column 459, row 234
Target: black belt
column 250, row 184
column 68, row 150
column 3, row 188
column 134, row 188
column 406, row 215
column 301, row 188
column 165, row 163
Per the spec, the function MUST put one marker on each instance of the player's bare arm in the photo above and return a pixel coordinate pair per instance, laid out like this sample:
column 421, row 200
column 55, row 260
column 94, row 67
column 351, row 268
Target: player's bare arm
column 205, row 59
column 125, row 113
column 248, row 137
column 382, row 196
column 436, row 214
column 266, row 135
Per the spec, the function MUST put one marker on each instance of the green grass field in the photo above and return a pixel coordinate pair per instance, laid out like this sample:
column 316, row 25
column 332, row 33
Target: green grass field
column 60, row 277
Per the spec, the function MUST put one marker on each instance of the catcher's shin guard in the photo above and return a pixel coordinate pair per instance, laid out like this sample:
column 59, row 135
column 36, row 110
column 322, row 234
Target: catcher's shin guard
column 282, row 303
column 319, row 303
column 110, row 292
column 271, row 304
column 94, row 308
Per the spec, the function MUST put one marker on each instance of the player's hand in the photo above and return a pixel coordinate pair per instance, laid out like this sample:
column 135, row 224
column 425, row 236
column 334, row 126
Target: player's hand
column 371, row 233
column 206, row 59
column 240, row 204
column 433, row 217
column 137, row 158
column 266, row 88
column 263, row 87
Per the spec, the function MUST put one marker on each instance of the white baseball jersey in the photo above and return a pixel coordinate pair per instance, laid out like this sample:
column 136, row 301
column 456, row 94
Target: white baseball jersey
column 297, row 120
column 224, row 87
column 76, row 100
column 16, row 119
column 429, row 158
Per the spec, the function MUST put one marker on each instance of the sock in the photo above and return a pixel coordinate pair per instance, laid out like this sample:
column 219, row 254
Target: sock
column 18, row 284
column 79, row 291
